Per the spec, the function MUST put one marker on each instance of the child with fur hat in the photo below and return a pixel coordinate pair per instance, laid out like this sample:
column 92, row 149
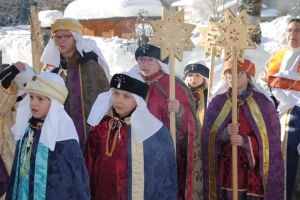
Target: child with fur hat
column 155, row 72
column 48, row 162
column 12, row 80
column 257, row 136
column 84, row 69
column 196, row 76
column 130, row 153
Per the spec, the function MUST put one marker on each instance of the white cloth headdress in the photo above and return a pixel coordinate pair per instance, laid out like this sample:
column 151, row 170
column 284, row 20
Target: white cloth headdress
column 143, row 123
column 222, row 86
column 58, row 126
column 22, row 78
column 51, row 53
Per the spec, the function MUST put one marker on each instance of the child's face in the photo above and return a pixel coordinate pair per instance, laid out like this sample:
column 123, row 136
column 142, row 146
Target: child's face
column 39, row 105
column 67, row 47
column 123, row 102
column 194, row 79
column 148, row 69
column 242, row 79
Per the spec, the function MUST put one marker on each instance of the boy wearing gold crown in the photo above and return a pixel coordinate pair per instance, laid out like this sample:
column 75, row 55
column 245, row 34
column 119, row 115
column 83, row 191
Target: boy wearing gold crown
column 81, row 63
column 257, row 137
column 48, row 162
column 130, row 153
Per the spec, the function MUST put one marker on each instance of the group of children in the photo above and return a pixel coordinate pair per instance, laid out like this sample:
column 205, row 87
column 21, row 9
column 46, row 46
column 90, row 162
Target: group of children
column 81, row 135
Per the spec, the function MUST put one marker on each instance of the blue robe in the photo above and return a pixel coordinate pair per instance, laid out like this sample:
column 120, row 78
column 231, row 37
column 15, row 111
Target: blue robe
column 66, row 176
column 291, row 157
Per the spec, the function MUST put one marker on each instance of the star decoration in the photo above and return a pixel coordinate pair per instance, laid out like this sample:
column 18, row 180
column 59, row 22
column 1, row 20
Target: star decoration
column 235, row 33
column 210, row 34
column 172, row 32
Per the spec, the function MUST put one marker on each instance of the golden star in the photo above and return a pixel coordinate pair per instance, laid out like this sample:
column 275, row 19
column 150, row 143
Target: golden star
column 172, row 32
column 210, row 34
column 235, row 33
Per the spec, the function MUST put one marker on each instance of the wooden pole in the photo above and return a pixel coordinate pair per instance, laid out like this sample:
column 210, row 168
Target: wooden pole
column 212, row 69
column 172, row 95
column 0, row 57
column 35, row 26
column 234, row 121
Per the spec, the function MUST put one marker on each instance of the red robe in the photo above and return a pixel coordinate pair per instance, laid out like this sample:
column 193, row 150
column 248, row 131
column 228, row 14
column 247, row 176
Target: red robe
column 157, row 103
column 249, row 179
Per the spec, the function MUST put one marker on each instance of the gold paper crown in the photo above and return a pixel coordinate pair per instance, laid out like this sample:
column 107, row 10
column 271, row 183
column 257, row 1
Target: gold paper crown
column 66, row 24
column 47, row 87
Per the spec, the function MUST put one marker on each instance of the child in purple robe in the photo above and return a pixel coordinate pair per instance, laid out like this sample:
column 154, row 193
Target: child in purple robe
column 256, row 135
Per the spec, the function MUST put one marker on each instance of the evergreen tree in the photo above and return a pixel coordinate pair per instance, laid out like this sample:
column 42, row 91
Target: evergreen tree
column 253, row 8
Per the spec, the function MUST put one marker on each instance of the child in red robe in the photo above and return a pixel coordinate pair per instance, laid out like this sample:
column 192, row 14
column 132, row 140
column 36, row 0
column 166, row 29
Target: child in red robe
column 156, row 74
column 130, row 153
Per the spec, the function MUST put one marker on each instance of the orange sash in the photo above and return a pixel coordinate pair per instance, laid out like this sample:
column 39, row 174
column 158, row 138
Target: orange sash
column 283, row 83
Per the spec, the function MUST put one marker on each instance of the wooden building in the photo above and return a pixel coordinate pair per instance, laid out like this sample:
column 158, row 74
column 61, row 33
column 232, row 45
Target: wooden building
column 110, row 27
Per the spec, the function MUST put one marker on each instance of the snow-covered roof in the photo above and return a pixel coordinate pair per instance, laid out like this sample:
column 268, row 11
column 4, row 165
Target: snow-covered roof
column 104, row 9
column 47, row 16
column 269, row 13
column 227, row 5
column 183, row 3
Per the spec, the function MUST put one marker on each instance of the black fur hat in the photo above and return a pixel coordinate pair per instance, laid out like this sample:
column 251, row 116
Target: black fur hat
column 196, row 68
column 150, row 51
column 129, row 84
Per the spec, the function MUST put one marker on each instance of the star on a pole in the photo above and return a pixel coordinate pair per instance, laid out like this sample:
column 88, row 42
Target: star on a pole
column 235, row 32
column 209, row 36
column 172, row 32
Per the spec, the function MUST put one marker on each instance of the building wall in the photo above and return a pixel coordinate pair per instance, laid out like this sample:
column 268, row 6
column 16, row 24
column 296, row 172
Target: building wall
column 108, row 28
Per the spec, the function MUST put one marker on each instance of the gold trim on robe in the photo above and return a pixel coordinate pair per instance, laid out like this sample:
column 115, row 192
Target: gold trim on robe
column 137, row 152
column 261, row 126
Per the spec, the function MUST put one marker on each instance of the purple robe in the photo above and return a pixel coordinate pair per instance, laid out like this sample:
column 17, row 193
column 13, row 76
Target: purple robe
column 262, row 117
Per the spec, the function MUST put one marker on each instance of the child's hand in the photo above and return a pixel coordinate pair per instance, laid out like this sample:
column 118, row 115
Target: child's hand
column 20, row 66
column 174, row 105
column 235, row 138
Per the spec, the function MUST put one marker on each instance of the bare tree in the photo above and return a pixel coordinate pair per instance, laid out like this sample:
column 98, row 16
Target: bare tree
column 14, row 12
column 167, row 3
column 213, row 5
column 253, row 8
column 53, row 4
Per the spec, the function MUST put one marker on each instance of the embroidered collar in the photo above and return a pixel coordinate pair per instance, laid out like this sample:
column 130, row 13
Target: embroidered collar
column 198, row 88
column 242, row 99
column 154, row 77
column 36, row 123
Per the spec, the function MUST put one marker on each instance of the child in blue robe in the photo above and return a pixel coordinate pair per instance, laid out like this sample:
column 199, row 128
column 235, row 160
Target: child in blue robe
column 48, row 162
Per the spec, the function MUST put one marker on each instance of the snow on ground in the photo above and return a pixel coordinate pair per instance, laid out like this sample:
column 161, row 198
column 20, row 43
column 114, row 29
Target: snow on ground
column 15, row 45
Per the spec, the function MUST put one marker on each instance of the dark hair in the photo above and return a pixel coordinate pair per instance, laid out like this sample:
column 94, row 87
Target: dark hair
column 249, row 86
column 294, row 20
column 74, row 59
